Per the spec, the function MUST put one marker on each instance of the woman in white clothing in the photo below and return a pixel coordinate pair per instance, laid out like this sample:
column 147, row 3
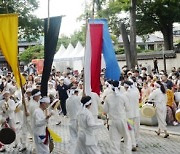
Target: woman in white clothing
column 159, row 97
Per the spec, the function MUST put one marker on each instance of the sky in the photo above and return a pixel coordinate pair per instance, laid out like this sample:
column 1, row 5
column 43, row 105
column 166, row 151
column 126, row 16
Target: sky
column 71, row 9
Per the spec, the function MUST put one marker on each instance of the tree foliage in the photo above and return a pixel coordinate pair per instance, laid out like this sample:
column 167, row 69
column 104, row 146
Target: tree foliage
column 30, row 27
column 35, row 52
column 73, row 39
column 152, row 15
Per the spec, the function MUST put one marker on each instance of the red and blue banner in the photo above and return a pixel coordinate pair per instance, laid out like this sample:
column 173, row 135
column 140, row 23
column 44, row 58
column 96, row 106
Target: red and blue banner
column 98, row 42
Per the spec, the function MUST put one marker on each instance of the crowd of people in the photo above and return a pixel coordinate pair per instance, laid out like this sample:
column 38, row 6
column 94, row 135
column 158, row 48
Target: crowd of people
column 119, row 102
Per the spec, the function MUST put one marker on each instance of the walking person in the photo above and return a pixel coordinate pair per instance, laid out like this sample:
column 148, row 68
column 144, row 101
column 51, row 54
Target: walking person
column 86, row 142
column 133, row 96
column 116, row 105
column 40, row 121
column 73, row 105
column 62, row 90
column 159, row 97
column 155, row 62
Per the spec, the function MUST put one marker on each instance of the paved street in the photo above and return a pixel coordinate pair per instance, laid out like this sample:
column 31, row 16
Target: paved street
column 149, row 143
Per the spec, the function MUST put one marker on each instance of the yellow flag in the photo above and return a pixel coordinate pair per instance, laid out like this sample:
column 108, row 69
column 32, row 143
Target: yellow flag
column 55, row 137
column 9, row 43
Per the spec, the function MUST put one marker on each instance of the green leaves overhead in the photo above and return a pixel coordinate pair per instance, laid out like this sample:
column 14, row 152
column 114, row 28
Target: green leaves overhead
column 30, row 27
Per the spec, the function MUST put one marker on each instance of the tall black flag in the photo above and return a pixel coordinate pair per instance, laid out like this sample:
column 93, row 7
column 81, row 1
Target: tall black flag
column 51, row 33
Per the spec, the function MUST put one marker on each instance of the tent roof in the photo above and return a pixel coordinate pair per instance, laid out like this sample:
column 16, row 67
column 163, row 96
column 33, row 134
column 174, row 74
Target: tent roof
column 77, row 49
column 68, row 51
column 61, row 50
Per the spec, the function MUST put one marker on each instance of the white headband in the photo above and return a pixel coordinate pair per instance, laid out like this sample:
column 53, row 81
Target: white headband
column 157, row 85
column 126, row 85
column 45, row 100
column 87, row 103
column 37, row 94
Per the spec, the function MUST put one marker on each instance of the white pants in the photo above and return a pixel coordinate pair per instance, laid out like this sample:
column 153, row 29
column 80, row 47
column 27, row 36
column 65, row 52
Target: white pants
column 82, row 148
column 119, row 128
column 161, row 117
column 73, row 135
column 134, row 133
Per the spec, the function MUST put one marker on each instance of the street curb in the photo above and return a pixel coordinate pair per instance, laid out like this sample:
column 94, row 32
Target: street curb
column 153, row 129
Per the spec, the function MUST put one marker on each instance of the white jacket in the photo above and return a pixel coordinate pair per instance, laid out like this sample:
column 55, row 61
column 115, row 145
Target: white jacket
column 95, row 102
column 133, row 96
column 116, row 106
column 73, row 105
column 39, row 122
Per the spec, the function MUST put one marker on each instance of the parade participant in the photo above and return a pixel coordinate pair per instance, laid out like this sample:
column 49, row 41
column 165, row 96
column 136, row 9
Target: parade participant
column 73, row 105
column 86, row 142
column 159, row 97
column 95, row 101
column 51, row 90
column 40, row 120
column 62, row 90
column 7, row 108
column 116, row 105
column 133, row 114
column 26, row 125
column 34, row 103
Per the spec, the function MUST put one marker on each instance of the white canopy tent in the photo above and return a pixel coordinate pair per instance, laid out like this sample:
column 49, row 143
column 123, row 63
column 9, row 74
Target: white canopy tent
column 67, row 58
column 71, row 57
column 60, row 52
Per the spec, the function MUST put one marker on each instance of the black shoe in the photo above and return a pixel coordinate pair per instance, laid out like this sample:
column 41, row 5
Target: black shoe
column 58, row 123
column 158, row 133
column 137, row 145
column 22, row 149
column 134, row 149
column 166, row 136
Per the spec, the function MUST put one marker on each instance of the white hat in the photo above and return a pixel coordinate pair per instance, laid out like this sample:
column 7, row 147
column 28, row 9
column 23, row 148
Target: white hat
column 45, row 99
column 61, row 78
column 50, row 83
column 6, row 92
column 29, row 90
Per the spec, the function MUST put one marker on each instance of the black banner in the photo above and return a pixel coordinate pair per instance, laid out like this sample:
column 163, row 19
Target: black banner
column 51, row 33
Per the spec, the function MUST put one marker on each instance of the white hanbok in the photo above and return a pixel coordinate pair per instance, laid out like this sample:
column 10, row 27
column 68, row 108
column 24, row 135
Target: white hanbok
column 86, row 142
column 39, row 126
column 116, row 106
column 94, row 106
column 160, row 100
column 73, row 105
column 134, row 113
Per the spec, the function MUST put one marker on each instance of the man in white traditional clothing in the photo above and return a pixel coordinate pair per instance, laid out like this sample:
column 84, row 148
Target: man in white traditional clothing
column 133, row 114
column 34, row 103
column 26, row 125
column 116, row 105
column 73, row 105
column 7, row 108
column 40, row 121
column 95, row 99
column 86, row 142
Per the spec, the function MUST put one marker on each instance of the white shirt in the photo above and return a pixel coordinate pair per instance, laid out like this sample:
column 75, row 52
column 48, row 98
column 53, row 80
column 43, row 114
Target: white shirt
column 95, row 102
column 39, row 122
column 73, row 105
column 116, row 106
column 133, row 95
column 9, row 113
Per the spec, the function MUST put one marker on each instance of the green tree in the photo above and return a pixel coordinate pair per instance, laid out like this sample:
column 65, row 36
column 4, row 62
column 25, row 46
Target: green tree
column 152, row 15
column 77, row 36
column 30, row 27
column 158, row 15
column 35, row 52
